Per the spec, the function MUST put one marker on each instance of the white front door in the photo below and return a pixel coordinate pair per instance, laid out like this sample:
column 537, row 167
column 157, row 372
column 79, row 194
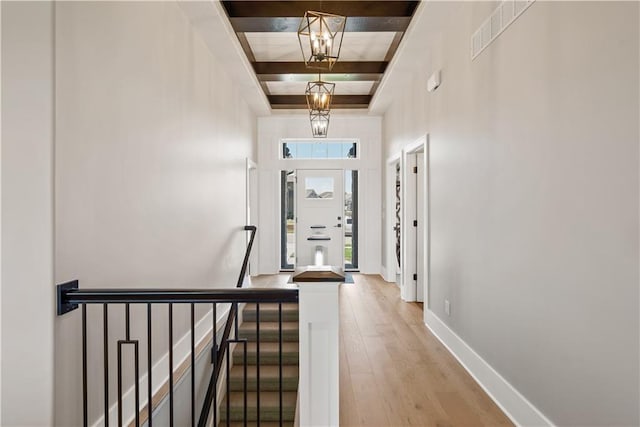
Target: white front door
column 320, row 216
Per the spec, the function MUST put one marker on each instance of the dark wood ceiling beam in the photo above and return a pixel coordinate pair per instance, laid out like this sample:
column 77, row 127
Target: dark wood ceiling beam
column 302, row 107
column 354, row 24
column 338, row 101
column 280, row 9
column 395, row 43
column 346, row 67
column 331, row 77
column 246, row 46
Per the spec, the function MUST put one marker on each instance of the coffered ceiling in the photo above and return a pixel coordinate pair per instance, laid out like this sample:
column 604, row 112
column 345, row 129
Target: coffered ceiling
column 267, row 31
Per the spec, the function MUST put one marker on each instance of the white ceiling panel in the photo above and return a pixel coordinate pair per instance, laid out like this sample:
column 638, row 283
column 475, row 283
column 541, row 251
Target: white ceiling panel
column 275, row 46
column 298, row 88
column 364, row 46
column 287, row 88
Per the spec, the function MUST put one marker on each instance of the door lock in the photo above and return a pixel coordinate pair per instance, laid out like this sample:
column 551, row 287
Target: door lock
column 338, row 225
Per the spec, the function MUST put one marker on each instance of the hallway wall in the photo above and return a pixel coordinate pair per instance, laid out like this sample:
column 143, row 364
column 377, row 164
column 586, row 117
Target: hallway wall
column 533, row 194
column 151, row 141
column 27, row 295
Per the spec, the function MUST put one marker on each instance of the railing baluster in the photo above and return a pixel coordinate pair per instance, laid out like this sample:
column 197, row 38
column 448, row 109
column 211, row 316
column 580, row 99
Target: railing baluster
column 105, row 320
column 280, row 359
column 170, row 364
column 127, row 332
column 235, row 322
column 246, row 390
column 85, row 390
column 119, row 383
column 228, row 384
column 149, row 370
column 127, row 322
column 215, row 360
column 258, row 362
column 193, row 366
column 137, row 382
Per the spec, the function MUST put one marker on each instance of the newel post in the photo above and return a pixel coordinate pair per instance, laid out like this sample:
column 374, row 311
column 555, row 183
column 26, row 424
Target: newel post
column 319, row 339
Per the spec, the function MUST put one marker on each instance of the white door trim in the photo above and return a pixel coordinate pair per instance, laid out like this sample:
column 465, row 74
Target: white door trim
column 408, row 290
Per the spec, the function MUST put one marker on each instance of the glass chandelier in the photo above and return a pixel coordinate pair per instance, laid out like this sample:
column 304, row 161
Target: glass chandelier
column 320, row 36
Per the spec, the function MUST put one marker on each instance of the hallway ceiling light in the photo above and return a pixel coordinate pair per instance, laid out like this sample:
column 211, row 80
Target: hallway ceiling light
column 320, row 36
column 319, row 95
column 319, row 123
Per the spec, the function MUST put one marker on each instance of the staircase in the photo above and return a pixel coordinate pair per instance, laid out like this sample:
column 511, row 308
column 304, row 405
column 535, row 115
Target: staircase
column 269, row 368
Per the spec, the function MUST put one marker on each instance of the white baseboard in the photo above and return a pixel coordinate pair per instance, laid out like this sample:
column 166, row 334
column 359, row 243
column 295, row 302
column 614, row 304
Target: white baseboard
column 160, row 370
column 513, row 404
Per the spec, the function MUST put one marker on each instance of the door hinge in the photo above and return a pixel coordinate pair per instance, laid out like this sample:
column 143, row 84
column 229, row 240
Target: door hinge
column 415, row 222
column 415, row 169
column 415, row 277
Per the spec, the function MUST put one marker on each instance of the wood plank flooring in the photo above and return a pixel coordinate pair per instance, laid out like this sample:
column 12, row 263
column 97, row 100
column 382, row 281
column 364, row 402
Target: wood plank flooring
column 393, row 371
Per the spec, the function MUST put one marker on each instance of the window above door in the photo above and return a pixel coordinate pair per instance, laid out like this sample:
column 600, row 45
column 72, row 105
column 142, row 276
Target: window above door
column 319, row 150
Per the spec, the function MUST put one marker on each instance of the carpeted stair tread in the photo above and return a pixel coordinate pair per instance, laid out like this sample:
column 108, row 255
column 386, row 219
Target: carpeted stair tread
column 262, row 424
column 269, row 331
column 269, row 406
column 269, row 378
column 292, row 307
column 268, row 353
column 269, row 313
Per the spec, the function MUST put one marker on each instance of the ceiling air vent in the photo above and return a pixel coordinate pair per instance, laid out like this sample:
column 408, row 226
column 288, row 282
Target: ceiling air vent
column 496, row 23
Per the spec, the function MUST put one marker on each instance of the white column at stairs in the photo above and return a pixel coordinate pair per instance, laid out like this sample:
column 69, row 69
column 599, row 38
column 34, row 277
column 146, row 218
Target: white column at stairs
column 319, row 339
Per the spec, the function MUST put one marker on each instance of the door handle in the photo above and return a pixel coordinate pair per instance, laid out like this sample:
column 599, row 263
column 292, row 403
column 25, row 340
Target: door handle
column 338, row 225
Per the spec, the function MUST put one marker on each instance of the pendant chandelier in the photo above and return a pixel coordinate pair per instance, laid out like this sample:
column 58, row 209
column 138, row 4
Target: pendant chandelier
column 320, row 36
column 319, row 95
column 319, row 123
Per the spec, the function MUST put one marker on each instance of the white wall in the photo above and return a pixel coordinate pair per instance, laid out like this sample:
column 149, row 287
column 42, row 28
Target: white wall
column 27, row 214
column 151, row 140
column 366, row 129
column 534, row 195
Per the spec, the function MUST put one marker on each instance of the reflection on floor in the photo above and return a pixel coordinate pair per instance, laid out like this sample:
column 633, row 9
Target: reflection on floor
column 393, row 371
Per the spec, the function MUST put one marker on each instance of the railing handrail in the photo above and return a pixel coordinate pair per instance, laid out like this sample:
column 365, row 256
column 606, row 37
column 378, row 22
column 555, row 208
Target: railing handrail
column 247, row 254
column 233, row 295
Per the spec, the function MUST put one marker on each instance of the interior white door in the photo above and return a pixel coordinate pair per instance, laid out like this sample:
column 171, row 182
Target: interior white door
column 420, row 238
column 320, row 216
column 409, row 229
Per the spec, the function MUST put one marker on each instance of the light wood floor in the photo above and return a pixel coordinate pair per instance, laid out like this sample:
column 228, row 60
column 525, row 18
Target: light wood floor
column 393, row 371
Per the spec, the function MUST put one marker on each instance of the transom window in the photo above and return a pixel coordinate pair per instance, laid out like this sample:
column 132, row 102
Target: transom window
column 319, row 150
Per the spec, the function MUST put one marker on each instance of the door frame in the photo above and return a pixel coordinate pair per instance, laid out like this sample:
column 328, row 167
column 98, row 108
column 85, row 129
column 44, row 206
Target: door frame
column 408, row 286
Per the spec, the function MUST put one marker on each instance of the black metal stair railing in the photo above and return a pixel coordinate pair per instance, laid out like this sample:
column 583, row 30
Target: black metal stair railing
column 70, row 297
